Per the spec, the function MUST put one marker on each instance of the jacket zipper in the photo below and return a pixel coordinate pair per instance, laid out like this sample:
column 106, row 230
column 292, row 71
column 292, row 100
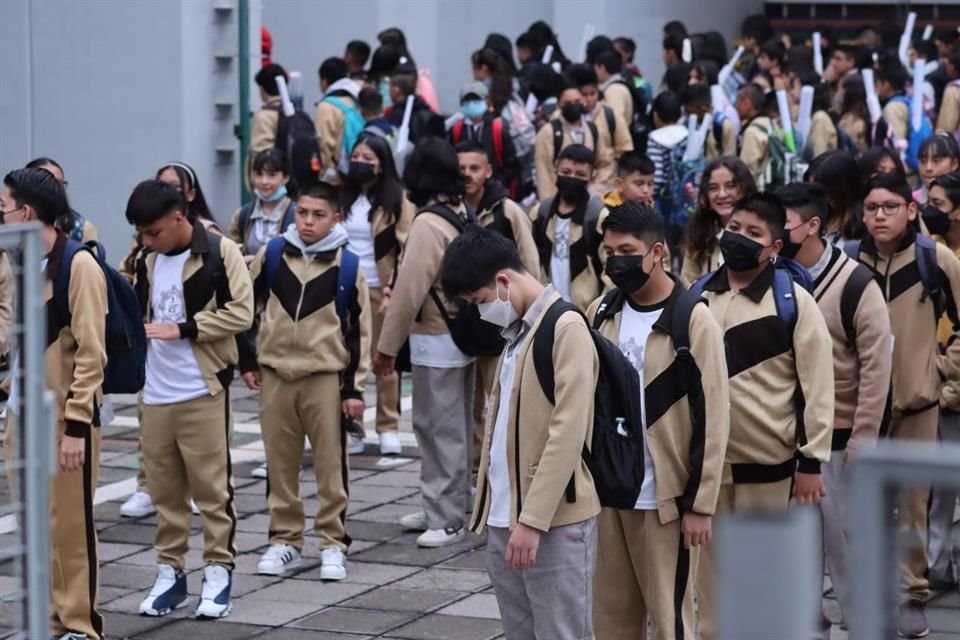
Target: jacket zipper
column 296, row 322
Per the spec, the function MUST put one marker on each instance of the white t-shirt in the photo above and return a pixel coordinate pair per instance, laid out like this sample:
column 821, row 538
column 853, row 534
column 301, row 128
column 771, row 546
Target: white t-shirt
column 173, row 373
column 360, row 239
column 635, row 328
column 499, row 515
column 560, row 261
column 438, row 351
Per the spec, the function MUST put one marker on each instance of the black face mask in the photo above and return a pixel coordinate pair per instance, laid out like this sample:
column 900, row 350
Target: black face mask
column 790, row 248
column 740, row 253
column 937, row 221
column 361, row 172
column 571, row 112
column 571, row 189
column 627, row 272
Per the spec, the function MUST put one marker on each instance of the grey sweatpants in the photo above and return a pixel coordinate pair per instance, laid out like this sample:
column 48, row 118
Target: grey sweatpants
column 943, row 546
column 833, row 510
column 554, row 599
column 443, row 424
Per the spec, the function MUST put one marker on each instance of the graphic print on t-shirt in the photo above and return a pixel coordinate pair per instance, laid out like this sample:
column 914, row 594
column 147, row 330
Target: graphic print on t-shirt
column 633, row 352
column 561, row 247
column 171, row 307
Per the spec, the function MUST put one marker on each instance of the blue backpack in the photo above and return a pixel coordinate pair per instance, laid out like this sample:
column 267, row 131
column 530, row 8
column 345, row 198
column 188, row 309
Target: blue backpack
column 915, row 137
column 353, row 126
column 677, row 196
column 346, row 279
column 126, row 339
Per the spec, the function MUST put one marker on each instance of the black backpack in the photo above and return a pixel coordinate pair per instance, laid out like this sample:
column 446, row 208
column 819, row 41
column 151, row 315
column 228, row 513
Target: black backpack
column 615, row 455
column 558, row 137
column 473, row 336
column 297, row 138
column 642, row 124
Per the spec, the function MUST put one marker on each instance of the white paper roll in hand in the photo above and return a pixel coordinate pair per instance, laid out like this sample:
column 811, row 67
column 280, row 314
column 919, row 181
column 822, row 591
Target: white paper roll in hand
column 873, row 102
column 288, row 109
column 905, row 39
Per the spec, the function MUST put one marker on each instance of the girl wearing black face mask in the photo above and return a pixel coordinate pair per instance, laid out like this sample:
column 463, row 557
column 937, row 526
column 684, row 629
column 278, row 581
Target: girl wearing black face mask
column 377, row 217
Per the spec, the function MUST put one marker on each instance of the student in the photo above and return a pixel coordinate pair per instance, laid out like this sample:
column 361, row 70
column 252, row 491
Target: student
column 890, row 80
column 197, row 298
column 722, row 139
column 647, row 557
column 72, row 223
column 616, row 93
column 944, row 555
column 837, row 172
column 484, row 127
column 371, row 108
column 774, row 452
column 725, row 182
column 879, row 160
column 333, row 112
column 634, row 182
column 948, row 121
column 443, row 383
column 667, row 136
column 938, row 155
column 771, row 58
column 889, row 213
column 263, row 125
column 377, row 218
column 574, row 127
column 541, row 548
column 74, row 362
column 612, row 130
column 841, row 68
column 672, row 50
column 854, row 115
column 565, row 228
column 861, row 363
column 355, row 56
column 423, row 121
column 494, row 210
column 268, row 215
column 755, row 131
column 323, row 378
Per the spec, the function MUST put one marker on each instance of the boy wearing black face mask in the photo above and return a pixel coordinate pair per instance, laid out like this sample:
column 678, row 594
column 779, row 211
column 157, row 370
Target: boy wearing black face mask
column 565, row 230
column 855, row 312
column 647, row 556
column 781, row 385
column 570, row 126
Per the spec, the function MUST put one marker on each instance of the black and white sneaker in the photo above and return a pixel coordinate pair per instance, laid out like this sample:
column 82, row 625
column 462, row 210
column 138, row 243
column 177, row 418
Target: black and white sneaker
column 278, row 559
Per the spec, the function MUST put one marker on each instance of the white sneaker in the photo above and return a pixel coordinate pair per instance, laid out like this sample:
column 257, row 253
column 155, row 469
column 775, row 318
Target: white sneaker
column 194, row 508
column 169, row 592
column 259, row 472
column 355, row 445
column 278, row 559
column 390, row 444
column 138, row 505
column 334, row 564
column 432, row 538
column 215, row 596
column 414, row 521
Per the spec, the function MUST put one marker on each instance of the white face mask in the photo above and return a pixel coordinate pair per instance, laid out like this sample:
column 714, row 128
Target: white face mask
column 499, row 312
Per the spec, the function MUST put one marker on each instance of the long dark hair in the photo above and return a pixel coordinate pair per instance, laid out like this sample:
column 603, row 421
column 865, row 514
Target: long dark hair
column 501, row 82
column 197, row 209
column 838, row 173
column 702, row 230
column 432, row 172
column 387, row 191
column 502, row 45
column 871, row 159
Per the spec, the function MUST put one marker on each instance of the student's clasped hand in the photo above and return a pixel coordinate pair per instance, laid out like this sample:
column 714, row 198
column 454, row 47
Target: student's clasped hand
column 522, row 548
column 162, row 331
column 252, row 380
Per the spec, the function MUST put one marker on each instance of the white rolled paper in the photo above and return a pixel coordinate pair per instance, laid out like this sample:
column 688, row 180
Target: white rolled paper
column 873, row 102
column 784, row 106
column 904, row 47
column 817, row 53
column 547, row 54
column 532, row 103
column 718, row 99
column 687, row 55
column 805, row 113
column 697, row 137
column 403, row 137
column 288, row 109
column 452, row 120
column 916, row 104
column 928, row 32
column 727, row 69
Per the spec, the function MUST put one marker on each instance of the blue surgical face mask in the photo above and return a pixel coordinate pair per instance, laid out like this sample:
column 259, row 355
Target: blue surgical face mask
column 474, row 108
column 276, row 195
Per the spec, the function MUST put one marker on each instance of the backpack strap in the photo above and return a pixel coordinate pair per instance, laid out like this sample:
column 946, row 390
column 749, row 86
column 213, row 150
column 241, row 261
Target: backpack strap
column 346, row 283
column 557, row 127
column 497, row 131
column 213, row 264
column 500, row 222
column 543, row 341
column 272, row 258
column 852, row 249
column 850, row 298
column 610, row 301
column 784, row 296
column 290, row 217
column 447, row 214
column 457, row 132
column 244, row 218
column 929, row 272
column 61, row 286
column 592, row 126
column 611, row 121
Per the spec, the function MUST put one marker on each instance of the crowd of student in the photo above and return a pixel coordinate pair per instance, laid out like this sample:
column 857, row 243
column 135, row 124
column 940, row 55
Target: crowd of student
column 537, row 262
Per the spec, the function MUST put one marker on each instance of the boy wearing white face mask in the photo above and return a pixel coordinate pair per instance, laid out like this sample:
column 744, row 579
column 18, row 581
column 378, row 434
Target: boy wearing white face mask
column 538, row 541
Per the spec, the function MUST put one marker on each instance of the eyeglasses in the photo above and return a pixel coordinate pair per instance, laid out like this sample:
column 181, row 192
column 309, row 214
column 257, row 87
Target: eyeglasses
column 889, row 208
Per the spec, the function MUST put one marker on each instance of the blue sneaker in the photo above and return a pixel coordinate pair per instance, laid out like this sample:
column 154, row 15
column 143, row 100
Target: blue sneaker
column 215, row 597
column 169, row 592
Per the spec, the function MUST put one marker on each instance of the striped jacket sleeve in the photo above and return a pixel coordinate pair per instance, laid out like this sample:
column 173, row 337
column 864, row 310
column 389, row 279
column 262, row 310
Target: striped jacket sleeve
column 87, row 300
column 358, row 338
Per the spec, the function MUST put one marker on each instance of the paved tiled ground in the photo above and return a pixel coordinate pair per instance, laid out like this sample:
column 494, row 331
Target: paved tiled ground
column 393, row 589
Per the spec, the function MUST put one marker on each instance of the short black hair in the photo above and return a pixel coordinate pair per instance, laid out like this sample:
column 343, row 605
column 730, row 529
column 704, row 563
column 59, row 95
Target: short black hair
column 321, row 191
column 925, row 49
column 581, row 75
column 271, row 159
column 43, row 161
column 753, row 93
column 610, row 60
column 404, row 78
column 939, row 145
column 635, row 162
column 892, row 73
column 628, row 45
column 39, row 189
column 431, row 170
column 370, row 99
column 359, row 49
column 266, row 78
column 774, row 50
column 697, row 95
column 596, row 46
column 954, row 58
column 152, row 200
column 673, row 43
column 470, row 146
column 486, row 251
column 639, row 220
column 677, row 27
column 333, row 69
column 768, row 208
column 809, row 200
column 758, row 27
column 950, row 183
column 892, row 182
column 667, row 107
column 578, row 154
